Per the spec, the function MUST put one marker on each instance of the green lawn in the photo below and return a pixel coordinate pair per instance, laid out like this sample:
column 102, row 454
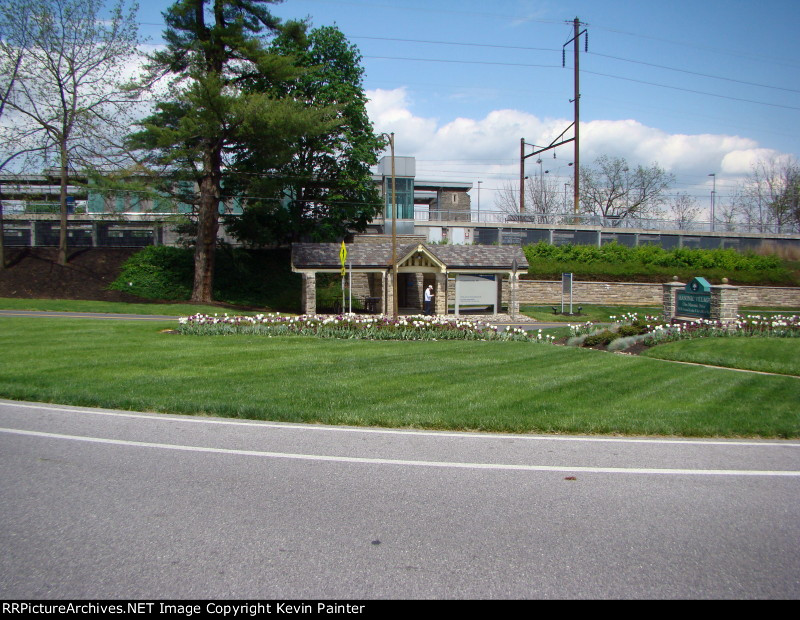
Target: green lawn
column 779, row 355
column 507, row 387
column 589, row 312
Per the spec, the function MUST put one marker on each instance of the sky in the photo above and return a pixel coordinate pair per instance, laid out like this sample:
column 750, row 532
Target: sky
column 698, row 87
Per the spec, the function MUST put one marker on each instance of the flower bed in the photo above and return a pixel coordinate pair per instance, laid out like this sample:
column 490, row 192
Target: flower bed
column 776, row 326
column 629, row 330
column 418, row 327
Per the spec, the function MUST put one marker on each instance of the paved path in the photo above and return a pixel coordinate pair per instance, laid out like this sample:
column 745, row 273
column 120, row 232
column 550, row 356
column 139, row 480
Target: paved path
column 102, row 504
column 88, row 315
column 503, row 320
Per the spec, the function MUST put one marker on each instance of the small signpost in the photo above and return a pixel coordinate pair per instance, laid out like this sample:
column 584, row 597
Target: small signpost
column 342, row 259
column 566, row 289
column 694, row 300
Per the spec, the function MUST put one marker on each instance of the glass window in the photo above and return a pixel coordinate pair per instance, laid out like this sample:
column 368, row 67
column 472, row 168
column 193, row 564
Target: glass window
column 405, row 197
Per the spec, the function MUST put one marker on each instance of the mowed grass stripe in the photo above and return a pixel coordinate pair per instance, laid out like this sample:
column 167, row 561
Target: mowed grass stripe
column 493, row 386
column 778, row 355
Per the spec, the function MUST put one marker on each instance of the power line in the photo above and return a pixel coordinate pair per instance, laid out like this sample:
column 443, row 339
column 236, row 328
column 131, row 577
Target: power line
column 707, row 75
column 690, row 90
column 551, row 49
column 459, row 43
column 464, row 62
column 765, row 59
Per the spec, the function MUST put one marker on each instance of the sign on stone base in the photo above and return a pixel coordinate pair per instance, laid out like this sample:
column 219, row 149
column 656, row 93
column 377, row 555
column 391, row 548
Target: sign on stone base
column 694, row 300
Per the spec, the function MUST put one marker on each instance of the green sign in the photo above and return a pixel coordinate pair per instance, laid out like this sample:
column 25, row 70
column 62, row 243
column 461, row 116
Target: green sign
column 695, row 299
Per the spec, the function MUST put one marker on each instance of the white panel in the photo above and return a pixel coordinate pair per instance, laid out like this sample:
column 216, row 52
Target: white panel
column 435, row 234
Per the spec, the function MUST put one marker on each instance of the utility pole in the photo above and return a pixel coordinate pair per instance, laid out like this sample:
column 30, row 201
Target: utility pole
column 522, row 175
column 558, row 141
column 713, row 197
column 394, row 237
column 577, row 32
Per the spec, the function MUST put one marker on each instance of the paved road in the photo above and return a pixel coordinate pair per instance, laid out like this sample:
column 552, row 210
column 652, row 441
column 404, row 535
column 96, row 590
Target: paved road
column 106, row 504
column 146, row 317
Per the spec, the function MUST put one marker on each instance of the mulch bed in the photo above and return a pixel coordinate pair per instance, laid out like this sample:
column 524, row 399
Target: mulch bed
column 34, row 273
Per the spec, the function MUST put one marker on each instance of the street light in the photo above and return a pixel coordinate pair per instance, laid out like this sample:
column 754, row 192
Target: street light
column 713, row 197
column 393, row 206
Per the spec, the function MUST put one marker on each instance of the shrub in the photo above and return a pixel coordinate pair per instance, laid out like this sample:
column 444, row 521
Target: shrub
column 602, row 338
column 260, row 278
column 650, row 262
column 157, row 272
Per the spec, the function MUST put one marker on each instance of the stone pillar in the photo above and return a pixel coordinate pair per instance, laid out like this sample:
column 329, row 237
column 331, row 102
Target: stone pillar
column 440, row 290
column 389, row 297
column 724, row 302
column 670, row 290
column 513, row 302
column 415, row 292
column 308, row 294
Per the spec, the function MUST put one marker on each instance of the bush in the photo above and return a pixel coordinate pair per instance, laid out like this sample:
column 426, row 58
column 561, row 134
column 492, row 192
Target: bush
column 653, row 263
column 259, row 278
column 602, row 338
column 157, row 272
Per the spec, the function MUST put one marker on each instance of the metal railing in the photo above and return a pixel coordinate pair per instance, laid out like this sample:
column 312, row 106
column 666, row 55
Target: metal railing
column 630, row 222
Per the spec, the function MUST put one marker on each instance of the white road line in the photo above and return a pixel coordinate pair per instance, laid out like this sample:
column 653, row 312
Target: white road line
column 388, row 431
column 443, row 464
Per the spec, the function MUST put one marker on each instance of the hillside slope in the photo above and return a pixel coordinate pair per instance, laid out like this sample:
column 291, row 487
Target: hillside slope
column 33, row 273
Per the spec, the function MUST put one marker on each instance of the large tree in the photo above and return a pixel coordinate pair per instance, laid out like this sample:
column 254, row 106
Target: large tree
column 211, row 123
column 774, row 192
column 684, row 210
column 544, row 198
column 72, row 86
column 612, row 189
column 326, row 188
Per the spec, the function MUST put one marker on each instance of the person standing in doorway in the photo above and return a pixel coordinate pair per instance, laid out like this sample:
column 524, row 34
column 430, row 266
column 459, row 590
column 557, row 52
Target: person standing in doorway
column 429, row 299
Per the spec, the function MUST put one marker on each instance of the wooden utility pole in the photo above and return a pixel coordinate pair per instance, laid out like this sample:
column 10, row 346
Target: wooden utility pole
column 393, row 203
column 576, row 35
column 576, row 196
column 560, row 140
column 522, row 175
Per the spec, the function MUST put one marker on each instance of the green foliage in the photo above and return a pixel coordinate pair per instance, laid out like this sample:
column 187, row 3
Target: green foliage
column 157, row 272
column 325, row 188
column 632, row 330
column 249, row 278
column 650, row 262
column 212, row 124
column 601, row 338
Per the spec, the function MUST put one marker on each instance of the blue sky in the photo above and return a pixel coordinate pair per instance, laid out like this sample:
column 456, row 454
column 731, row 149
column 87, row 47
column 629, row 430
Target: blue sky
column 699, row 87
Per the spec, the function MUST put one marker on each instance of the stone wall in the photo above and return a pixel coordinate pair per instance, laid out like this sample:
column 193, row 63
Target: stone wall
column 539, row 292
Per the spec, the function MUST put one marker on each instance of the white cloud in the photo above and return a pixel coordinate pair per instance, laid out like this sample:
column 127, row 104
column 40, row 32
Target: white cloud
column 487, row 149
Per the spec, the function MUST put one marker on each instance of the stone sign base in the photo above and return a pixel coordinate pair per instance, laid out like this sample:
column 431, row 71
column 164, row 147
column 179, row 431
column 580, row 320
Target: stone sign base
column 724, row 307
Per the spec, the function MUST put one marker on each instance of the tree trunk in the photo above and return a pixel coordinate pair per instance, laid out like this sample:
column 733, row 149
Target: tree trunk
column 62, row 234
column 207, row 227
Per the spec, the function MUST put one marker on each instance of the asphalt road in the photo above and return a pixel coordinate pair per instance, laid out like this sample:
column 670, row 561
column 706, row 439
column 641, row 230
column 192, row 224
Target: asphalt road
column 105, row 504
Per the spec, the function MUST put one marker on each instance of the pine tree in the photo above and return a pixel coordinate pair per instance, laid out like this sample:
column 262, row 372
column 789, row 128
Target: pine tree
column 326, row 189
column 210, row 124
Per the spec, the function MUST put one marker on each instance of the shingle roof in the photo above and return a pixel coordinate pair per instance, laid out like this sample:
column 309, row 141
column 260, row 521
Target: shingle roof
column 372, row 255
